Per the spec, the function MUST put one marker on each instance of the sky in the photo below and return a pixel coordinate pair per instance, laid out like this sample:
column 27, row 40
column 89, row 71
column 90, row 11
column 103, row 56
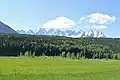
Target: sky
column 102, row 15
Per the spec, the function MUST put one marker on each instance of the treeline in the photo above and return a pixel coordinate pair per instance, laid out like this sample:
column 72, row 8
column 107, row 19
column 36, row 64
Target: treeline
column 91, row 48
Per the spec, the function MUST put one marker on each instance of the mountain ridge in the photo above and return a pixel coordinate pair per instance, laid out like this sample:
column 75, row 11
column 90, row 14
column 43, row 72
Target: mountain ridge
column 60, row 32
column 6, row 29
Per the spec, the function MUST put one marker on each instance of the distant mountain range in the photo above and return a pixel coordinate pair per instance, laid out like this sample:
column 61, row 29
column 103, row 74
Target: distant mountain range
column 59, row 32
column 6, row 29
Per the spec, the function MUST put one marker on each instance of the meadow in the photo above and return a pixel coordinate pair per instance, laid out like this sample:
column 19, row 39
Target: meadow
column 57, row 68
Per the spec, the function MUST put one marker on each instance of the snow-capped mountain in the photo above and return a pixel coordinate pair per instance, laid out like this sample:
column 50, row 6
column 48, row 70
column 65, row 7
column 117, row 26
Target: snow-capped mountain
column 91, row 33
column 60, row 32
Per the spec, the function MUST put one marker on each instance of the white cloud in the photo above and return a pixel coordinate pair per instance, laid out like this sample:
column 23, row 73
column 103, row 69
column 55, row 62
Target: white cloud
column 60, row 22
column 99, row 26
column 91, row 21
column 97, row 20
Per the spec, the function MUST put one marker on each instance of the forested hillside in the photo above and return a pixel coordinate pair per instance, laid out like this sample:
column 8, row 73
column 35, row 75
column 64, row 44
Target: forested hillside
column 18, row 45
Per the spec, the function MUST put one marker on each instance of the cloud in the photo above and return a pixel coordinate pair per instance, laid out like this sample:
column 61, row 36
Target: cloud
column 99, row 26
column 60, row 22
column 97, row 20
column 91, row 21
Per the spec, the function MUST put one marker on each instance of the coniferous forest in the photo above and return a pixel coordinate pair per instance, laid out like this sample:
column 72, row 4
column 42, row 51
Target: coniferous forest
column 75, row 48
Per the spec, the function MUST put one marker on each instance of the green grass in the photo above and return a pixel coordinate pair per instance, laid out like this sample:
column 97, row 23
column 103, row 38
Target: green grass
column 55, row 68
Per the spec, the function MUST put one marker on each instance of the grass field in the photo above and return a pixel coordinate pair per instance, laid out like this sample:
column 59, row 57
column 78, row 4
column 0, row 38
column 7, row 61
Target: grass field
column 55, row 68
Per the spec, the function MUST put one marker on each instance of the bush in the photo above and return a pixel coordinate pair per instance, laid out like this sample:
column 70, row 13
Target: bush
column 63, row 54
column 28, row 53
column 43, row 54
column 73, row 55
column 116, row 56
column 68, row 55
column 33, row 55
column 21, row 53
column 78, row 56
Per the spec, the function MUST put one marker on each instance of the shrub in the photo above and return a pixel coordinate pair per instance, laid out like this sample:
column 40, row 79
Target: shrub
column 73, row 55
column 63, row 54
column 28, row 53
column 78, row 56
column 68, row 55
column 33, row 55
column 43, row 54
column 21, row 53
